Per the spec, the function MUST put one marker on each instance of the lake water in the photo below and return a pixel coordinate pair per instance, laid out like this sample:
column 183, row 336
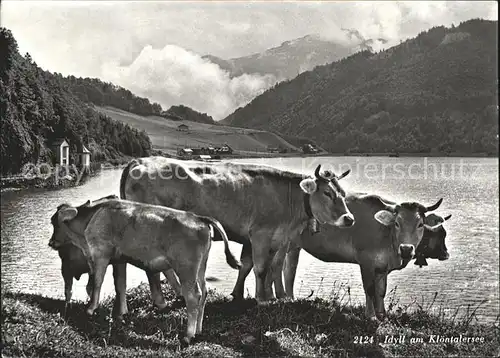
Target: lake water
column 469, row 187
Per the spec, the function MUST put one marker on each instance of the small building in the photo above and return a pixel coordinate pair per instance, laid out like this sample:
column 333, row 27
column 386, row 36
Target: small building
column 183, row 128
column 60, row 147
column 309, row 149
column 185, row 153
column 83, row 157
column 225, row 149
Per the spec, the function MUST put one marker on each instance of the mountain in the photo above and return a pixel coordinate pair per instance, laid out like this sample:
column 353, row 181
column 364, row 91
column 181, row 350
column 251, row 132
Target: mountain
column 37, row 108
column 291, row 57
column 437, row 92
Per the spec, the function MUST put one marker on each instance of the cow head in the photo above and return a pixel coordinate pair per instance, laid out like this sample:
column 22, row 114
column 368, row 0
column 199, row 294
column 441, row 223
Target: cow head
column 407, row 223
column 433, row 244
column 66, row 213
column 63, row 215
column 326, row 199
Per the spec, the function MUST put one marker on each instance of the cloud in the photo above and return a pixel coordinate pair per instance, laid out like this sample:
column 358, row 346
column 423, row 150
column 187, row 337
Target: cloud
column 151, row 47
column 173, row 75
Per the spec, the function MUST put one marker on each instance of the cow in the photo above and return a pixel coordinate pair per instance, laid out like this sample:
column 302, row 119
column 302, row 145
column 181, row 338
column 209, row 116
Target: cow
column 73, row 262
column 385, row 237
column 74, row 265
column 151, row 237
column 433, row 243
column 259, row 206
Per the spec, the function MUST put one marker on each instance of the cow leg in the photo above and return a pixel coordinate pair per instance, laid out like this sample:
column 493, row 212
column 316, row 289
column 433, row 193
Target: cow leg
column 368, row 277
column 277, row 270
column 173, row 281
column 277, row 280
column 155, row 287
column 246, row 266
column 100, row 265
column 380, row 291
column 290, row 268
column 192, row 296
column 88, row 288
column 120, row 279
column 262, row 255
column 68, row 283
column 203, row 300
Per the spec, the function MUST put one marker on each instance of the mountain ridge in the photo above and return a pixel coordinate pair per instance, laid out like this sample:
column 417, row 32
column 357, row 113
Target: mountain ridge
column 290, row 58
column 435, row 92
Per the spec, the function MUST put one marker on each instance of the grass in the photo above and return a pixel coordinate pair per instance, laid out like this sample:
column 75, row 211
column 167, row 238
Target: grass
column 165, row 136
column 36, row 326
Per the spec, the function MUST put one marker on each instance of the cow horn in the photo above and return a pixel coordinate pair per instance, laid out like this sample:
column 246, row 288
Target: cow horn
column 435, row 206
column 447, row 217
column 390, row 207
column 316, row 172
column 344, row 174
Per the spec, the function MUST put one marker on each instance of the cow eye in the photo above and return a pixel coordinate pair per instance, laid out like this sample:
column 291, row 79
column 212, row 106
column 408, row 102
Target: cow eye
column 329, row 194
column 396, row 224
column 421, row 224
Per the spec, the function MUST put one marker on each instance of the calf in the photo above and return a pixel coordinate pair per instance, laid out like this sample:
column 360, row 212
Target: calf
column 73, row 262
column 74, row 265
column 153, row 238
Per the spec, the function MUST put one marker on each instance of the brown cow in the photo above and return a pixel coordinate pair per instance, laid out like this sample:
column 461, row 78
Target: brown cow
column 259, row 206
column 386, row 237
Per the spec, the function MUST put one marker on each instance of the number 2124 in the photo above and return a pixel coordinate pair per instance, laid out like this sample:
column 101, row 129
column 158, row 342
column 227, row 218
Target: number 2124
column 363, row 339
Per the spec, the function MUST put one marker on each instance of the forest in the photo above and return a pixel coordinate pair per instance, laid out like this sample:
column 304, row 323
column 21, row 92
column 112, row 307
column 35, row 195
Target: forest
column 182, row 112
column 436, row 93
column 37, row 107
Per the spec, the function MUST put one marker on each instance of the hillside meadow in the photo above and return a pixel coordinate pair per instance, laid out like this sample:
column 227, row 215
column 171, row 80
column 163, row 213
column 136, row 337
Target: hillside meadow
column 165, row 136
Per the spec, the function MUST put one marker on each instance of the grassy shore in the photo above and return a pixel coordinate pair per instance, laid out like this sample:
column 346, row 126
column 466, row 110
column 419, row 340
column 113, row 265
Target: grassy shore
column 35, row 326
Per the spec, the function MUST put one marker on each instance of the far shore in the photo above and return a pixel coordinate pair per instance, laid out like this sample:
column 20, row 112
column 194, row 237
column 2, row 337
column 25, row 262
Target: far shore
column 18, row 182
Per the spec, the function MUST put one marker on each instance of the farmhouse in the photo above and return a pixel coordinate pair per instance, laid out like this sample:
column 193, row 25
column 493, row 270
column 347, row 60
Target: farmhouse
column 185, row 153
column 183, row 128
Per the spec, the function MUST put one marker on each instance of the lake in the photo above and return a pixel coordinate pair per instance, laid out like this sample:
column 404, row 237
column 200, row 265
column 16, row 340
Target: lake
column 469, row 187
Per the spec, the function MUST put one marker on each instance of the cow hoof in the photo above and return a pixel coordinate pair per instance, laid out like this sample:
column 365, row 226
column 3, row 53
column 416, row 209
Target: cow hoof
column 121, row 319
column 263, row 303
column 237, row 297
column 162, row 307
column 185, row 341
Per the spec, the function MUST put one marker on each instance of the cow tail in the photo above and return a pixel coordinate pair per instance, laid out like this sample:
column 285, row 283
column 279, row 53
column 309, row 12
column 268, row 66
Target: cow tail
column 124, row 177
column 231, row 260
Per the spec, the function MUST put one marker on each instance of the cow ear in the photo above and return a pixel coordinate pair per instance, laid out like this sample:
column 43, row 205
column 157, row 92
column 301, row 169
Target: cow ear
column 67, row 214
column 308, row 186
column 384, row 217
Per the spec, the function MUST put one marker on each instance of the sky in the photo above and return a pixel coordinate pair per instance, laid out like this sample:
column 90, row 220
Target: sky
column 155, row 48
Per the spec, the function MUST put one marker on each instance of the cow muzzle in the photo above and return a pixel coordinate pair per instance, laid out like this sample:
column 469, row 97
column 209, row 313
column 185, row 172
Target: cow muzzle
column 406, row 251
column 346, row 220
column 53, row 244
